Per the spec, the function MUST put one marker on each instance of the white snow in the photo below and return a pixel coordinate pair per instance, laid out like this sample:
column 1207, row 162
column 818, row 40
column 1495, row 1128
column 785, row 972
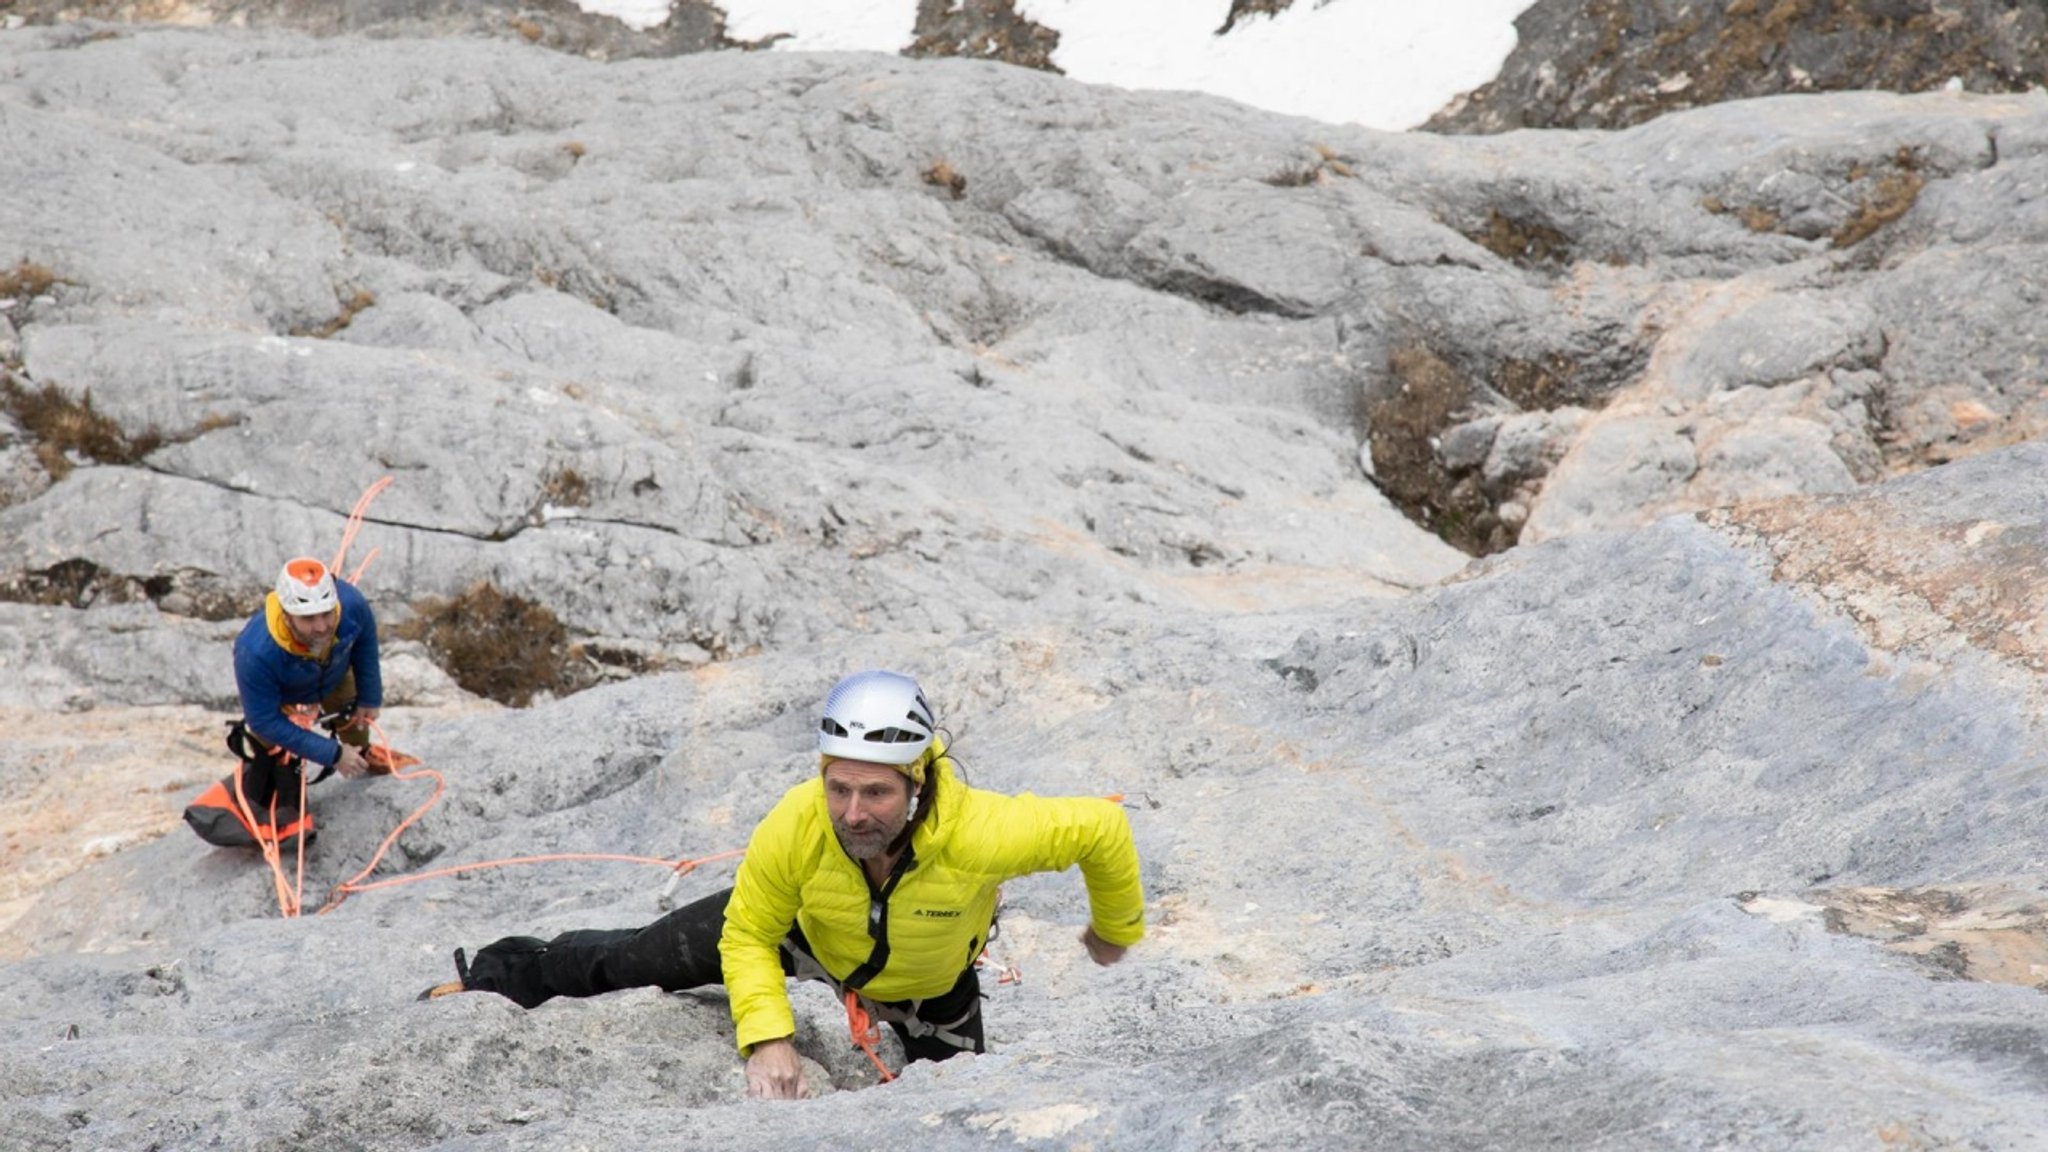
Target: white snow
column 1382, row 63
column 636, row 14
column 824, row 25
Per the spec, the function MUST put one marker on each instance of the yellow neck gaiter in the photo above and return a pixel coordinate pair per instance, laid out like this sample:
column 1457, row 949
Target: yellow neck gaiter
column 281, row 630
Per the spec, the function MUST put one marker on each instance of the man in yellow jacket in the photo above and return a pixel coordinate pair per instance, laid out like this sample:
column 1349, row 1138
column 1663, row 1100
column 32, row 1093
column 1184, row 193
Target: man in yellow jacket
column 878, row 877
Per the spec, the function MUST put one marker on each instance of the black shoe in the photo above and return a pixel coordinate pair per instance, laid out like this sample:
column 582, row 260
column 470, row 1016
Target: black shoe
column 459, row 984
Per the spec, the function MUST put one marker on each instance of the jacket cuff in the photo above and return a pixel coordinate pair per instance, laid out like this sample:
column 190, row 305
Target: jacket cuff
column 757, row 1032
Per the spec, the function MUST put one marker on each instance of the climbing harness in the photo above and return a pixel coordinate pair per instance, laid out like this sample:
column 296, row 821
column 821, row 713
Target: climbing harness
column 861, row 1012
column 224, row 816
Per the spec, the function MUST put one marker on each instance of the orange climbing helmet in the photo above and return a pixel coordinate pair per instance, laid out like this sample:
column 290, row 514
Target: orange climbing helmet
column 306, row 588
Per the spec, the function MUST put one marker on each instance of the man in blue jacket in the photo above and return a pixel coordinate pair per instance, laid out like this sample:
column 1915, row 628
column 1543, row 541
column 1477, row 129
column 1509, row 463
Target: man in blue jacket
column 313, row 643
column 307, row 657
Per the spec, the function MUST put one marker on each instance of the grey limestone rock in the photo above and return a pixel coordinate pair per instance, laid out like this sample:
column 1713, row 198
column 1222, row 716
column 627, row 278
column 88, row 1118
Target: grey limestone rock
column 754, row 368
column 1620, row 464
column 1580, row 795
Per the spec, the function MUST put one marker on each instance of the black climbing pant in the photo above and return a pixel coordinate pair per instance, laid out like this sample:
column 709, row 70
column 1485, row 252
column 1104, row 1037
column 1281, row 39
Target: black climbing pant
column 680, row 951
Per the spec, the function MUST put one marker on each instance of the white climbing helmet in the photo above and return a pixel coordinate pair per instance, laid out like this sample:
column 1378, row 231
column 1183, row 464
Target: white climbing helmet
column 306, row 588
column 877, row 716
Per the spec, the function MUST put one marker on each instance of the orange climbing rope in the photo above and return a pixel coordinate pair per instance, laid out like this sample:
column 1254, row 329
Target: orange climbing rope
column 355, row 883
column 865, row 1034
column 342, row 891
column 684, row 866
column 355, row 525
column 267, row 836
column 290, row 893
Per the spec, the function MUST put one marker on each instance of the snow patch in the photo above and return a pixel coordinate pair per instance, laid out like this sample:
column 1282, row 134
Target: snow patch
column 639, row 15
column 1384, row 64
column 824, row 25
column 1387, row 64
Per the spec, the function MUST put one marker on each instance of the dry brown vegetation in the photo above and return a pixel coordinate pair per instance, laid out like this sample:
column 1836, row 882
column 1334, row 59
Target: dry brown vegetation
column 1326, row 164
column 1899, row 47
column 66, row 427
column 1758, row 218
column 503, row 647
column 1879, row 200
column 565, row 488
column 1893, row 195
column 576, row 284
column 942, row 175
column 1430, row 396
column 1297, row 177
column 80, row 583
column 1754, row 217
column 26, row 281
column 357, row 302
column 1545, row 385
column 1524, row 242
column 73, row 583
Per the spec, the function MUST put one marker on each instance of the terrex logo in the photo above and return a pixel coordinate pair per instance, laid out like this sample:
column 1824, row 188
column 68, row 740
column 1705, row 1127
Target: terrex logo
column 938, row 913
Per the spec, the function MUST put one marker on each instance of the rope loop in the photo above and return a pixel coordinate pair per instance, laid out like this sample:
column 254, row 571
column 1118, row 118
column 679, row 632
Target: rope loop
column 866, row 1035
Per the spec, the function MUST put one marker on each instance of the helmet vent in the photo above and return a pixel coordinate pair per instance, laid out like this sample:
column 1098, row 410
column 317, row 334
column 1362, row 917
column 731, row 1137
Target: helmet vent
column 892, row 736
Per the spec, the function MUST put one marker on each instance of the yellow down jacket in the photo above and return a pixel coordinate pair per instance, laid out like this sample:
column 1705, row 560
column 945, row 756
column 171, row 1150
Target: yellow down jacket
column 939, row 913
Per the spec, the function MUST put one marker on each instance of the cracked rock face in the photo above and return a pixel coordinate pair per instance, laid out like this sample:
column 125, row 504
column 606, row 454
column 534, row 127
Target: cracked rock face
column 1156, row 437
column 697, row 326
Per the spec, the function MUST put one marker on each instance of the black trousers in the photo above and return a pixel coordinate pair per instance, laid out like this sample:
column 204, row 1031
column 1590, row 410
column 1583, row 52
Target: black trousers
column 264, row 780
column 680, row 951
